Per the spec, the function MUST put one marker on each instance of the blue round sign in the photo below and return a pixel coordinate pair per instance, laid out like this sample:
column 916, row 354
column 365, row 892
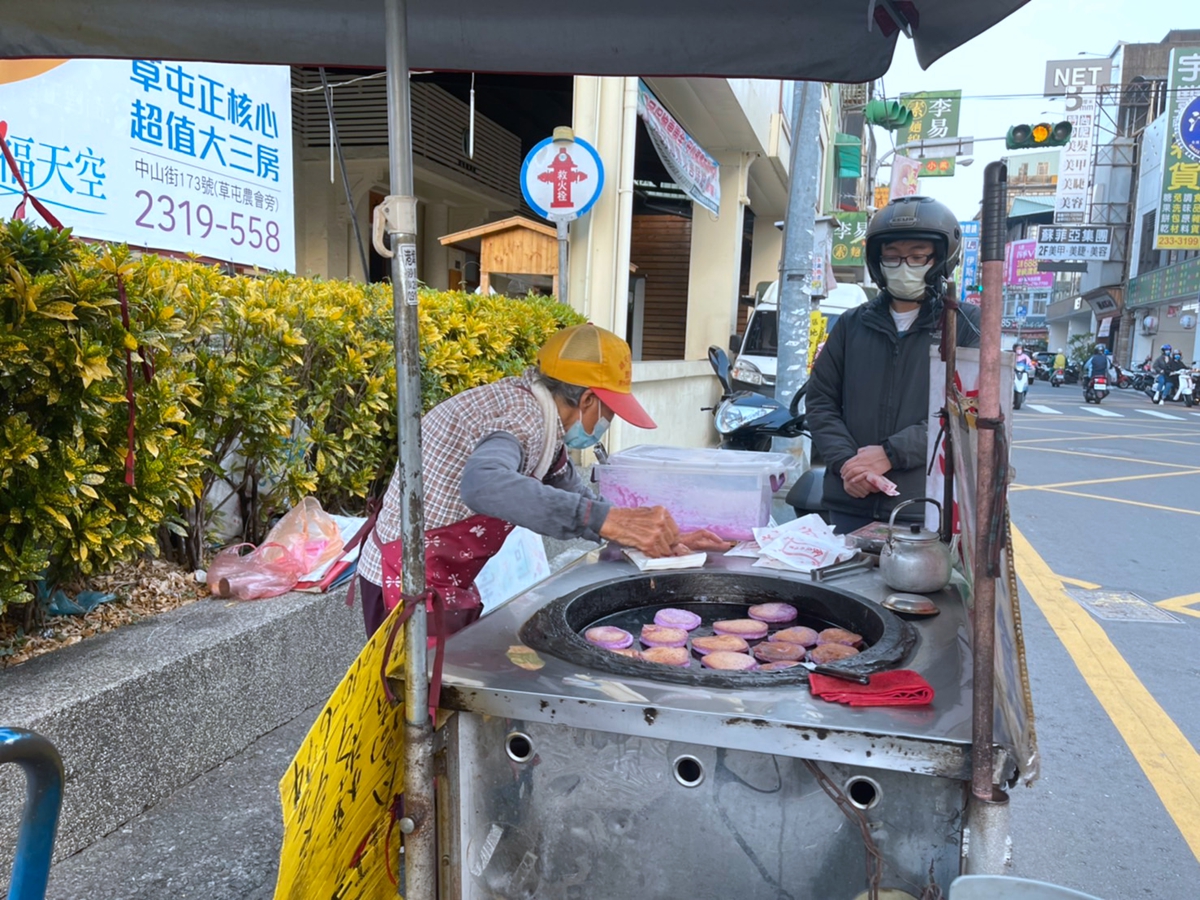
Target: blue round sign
column 562, row 180
column 1188, row 129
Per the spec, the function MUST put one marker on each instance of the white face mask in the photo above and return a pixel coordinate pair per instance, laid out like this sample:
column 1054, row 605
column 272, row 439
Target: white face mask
column 907, row 282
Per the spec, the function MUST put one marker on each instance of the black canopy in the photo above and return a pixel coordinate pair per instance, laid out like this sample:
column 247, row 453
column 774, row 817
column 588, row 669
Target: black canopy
column 822, row 40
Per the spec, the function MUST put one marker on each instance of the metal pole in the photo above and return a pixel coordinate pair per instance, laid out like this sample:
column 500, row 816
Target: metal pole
column 420, row 849
column 950, row 332
column 341, row 158
column 795, row 270
column 992, row 234
column 39, row 820
column 562, row 260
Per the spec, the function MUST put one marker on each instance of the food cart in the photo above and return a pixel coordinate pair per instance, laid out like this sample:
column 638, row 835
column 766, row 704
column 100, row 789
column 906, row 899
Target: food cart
column 737, row 736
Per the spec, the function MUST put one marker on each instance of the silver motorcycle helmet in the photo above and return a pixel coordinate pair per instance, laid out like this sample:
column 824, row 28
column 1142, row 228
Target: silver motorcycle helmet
column 916, row 219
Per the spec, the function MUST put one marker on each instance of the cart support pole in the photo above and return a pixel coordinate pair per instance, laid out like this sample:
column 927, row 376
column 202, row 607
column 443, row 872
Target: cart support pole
column 992, row 234
column 418, row 826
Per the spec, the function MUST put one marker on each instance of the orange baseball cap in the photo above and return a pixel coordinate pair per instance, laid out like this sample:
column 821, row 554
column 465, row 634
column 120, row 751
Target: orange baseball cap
column 597, row 359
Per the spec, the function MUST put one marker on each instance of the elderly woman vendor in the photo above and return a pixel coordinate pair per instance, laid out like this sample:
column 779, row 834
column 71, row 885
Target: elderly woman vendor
column 496, row 456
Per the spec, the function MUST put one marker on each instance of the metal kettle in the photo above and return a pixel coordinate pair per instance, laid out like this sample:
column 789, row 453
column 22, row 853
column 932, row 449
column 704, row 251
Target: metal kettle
column 914, row 560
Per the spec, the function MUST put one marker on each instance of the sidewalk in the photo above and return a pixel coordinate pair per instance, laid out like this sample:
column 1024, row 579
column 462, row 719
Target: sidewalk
column 215, row 839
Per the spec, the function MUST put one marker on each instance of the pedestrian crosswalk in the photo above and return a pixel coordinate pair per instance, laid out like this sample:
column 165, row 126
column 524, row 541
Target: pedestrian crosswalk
column 1113, row 414
column 1159, row 414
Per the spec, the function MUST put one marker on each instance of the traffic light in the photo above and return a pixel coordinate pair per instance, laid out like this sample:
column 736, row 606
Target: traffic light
column 890, row 114
column 1034, row 137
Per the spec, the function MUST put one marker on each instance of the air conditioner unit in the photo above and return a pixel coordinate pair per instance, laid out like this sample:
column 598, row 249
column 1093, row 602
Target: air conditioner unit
column 1150, row 325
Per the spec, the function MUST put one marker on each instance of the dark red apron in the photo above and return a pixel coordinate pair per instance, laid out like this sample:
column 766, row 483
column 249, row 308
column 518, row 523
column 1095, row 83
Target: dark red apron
column 454, row 556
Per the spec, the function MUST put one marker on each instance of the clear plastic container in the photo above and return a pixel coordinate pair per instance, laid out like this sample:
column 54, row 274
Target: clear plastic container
column 726, row 491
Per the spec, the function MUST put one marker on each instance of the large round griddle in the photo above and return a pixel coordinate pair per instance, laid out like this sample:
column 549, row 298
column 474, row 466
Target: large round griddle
column 629, row 603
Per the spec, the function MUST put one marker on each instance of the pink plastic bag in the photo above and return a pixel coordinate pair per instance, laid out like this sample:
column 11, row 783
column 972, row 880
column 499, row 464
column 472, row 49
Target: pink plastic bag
column 266, row 571
column 308, row 533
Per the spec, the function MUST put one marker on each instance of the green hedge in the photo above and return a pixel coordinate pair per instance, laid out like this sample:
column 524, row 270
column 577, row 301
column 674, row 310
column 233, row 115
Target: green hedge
column 289, row 381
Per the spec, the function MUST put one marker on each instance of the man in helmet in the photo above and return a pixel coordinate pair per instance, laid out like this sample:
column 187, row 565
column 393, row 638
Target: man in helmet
column 1162, row 363
column 1060, row 359
column 868, row 398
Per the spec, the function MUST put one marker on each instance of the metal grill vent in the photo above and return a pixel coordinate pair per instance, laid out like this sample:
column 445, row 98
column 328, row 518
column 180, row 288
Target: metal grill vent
column 439, row 124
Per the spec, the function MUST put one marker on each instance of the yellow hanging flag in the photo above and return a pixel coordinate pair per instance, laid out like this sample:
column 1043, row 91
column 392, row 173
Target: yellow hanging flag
column 341, row 792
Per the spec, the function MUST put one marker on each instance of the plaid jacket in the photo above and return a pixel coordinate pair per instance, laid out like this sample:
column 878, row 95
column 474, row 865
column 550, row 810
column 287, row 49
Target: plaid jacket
column 449, row 434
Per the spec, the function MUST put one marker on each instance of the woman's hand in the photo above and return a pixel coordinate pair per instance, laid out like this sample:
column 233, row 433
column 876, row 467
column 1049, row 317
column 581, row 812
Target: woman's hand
column 703, row 539
column 649, row 529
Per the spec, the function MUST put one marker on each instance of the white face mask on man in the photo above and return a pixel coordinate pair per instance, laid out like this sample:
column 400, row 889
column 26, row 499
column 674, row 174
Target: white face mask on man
column 907, row 282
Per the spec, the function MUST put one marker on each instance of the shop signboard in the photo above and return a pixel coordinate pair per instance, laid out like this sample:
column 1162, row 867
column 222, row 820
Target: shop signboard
column 882, row 195
column 935, row 115
column 1178, row 221
column 186, row 157
column 1072, row 204
column 689, row 166
column 1180, row 281
column 1021, row 270
column 969, row 279
column 1058, row 243
column 849, row 239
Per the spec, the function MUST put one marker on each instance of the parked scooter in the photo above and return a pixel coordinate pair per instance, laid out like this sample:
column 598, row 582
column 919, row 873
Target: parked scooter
column 747, row 420
column 1095, row 389
column 1020, row 384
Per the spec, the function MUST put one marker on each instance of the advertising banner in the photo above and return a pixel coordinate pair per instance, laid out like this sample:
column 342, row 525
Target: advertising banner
column 1086, row 242
column 1021, row 269
column 1072, row 203
column 905, row 173
column 696, row 173
column 969, row 277
column 849, row 239
column 935, row 115
column 1178, row 221
column 186, row 157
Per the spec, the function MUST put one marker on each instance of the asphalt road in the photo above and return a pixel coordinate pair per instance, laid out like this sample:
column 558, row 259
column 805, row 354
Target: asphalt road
column 1106, row 507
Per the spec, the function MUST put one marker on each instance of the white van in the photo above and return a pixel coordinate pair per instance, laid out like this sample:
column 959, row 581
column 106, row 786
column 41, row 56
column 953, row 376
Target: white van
column 757, row 351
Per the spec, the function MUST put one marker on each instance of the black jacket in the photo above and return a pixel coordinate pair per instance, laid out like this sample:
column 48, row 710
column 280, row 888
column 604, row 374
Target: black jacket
column 870, row 385
column 1161, row 363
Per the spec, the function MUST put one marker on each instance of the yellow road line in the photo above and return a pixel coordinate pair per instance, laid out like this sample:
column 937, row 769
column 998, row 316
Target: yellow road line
column 1128, row 459
column 1075, row 582
column 1065, row 484
column 1175, row 509
column 1182, row 604
column 1165, row 755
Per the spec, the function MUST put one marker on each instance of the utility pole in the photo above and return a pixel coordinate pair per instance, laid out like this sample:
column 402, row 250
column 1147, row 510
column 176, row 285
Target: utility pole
column 796, row 267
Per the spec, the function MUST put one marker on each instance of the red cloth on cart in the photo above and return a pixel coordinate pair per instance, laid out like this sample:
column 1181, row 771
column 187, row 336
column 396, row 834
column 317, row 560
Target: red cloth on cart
column 899, row 687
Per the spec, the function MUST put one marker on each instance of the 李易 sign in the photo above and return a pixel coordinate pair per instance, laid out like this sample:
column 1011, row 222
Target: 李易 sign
column 935, row 116
column 696, row 173
column 187, row 157
column 1178, row 225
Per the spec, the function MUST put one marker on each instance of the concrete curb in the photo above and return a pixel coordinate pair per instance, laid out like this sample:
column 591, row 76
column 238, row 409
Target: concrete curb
column 141, row 711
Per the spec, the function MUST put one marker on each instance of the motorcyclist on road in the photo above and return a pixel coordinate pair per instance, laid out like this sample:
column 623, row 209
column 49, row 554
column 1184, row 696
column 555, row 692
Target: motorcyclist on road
column 1060, row 359
column 1020, row 356
column 1170, row 379
column 1097, row 365
column 1159, row 367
